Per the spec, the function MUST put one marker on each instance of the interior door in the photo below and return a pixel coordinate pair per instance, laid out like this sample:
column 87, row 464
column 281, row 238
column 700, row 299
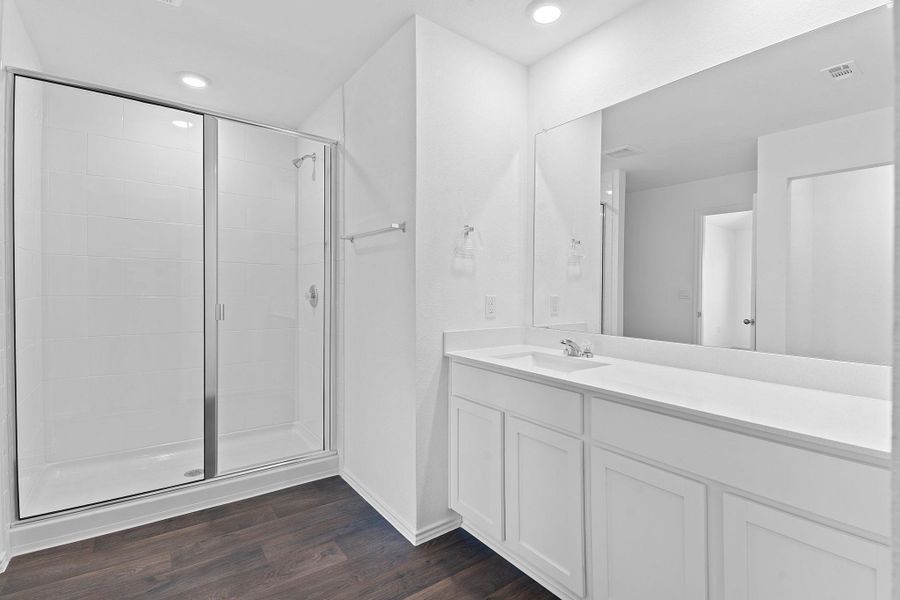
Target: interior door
column 725, row 279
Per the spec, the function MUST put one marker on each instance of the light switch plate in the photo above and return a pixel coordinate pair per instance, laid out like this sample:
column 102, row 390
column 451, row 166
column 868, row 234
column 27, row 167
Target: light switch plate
column 554, row 305
column 490, row 307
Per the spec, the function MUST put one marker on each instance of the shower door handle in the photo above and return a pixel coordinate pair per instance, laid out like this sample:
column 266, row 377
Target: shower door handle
column 749, row 321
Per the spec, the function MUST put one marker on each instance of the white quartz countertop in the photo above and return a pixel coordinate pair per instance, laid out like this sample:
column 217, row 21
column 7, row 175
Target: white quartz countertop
column 857, row 425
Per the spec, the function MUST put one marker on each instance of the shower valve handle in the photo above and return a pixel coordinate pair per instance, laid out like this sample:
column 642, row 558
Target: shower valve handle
column 312, row 295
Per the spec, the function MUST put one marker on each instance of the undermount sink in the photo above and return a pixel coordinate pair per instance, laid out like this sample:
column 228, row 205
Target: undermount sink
column 549, row 362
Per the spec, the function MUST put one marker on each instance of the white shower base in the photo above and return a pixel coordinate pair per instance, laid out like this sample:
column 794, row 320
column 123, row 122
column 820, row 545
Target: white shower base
column 69, row 484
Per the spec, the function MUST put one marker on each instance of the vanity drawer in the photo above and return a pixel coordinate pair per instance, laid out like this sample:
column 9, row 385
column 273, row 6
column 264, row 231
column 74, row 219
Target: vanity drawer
column 849, row 492
column 543, row 403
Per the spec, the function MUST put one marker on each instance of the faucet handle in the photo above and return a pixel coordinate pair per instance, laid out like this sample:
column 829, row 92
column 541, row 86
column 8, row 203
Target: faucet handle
column 587, row 349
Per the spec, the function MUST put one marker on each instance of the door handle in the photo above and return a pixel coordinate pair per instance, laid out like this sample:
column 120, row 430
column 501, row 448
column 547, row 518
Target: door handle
column 749, row 321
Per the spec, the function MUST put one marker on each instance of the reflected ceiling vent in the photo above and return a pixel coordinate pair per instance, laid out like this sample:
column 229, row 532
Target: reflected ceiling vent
column 622, row 152
column 175, row 3
column 845, row 70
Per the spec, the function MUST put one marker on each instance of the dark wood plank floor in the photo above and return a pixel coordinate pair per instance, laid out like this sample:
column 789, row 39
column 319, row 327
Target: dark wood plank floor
column 315, row 541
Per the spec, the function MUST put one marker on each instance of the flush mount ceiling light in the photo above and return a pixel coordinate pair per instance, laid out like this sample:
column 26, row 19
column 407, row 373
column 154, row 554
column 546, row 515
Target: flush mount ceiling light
column 193, row 80
column 183, row 124
column 544, row 12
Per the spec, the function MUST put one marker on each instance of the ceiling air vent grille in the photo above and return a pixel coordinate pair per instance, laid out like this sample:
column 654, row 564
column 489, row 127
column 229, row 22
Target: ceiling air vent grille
column 845, row 70
column 622, row 152
column 175, row 3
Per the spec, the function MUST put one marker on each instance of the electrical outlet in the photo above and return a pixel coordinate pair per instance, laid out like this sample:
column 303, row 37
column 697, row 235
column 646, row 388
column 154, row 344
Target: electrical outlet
column 554, row 305
column 490, row 307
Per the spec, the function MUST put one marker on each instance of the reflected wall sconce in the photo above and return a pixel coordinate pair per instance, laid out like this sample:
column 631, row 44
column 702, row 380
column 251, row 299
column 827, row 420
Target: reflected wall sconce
column 576, row 252
column 465, row 246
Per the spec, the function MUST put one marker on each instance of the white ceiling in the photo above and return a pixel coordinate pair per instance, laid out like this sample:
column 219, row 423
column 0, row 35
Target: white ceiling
column 270, row 60
column 707, row 125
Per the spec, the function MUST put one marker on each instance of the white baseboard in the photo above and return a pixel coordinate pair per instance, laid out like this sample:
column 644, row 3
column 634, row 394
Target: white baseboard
column 4, row 561
column 437, row 529
column 414, row 537
column 378, row 504
column 30, row 536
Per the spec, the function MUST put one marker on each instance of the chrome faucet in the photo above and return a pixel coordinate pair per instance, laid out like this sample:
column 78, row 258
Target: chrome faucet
column 573, row 349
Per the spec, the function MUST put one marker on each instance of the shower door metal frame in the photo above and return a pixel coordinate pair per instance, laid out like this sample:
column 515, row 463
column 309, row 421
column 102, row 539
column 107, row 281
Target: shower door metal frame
column 210, row 292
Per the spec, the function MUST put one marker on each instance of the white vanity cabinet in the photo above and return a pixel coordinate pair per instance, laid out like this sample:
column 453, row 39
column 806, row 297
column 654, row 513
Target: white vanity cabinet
column 476, row 464
column 770, row 554
column 649, row 531
column 517, row 473
column 544, row 492
column 606, row 497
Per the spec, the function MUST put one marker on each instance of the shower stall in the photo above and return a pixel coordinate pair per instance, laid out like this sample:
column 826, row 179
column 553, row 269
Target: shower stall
column 171, row 295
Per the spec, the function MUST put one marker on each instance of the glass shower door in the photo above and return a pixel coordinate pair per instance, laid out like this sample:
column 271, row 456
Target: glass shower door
column 271, row 280
column 108, row 243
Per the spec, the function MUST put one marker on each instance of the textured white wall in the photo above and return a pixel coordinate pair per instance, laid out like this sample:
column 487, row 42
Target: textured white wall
column 17, row 50
column 471, row 115
column 468, row 169
column 379, row 340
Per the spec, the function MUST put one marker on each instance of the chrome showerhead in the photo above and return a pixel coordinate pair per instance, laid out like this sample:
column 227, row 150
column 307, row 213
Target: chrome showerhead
column 299, row 161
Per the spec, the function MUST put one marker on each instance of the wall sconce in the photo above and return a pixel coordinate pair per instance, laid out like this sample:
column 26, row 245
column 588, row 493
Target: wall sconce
column 574, row 258
column 576, row 252
column 465, row 246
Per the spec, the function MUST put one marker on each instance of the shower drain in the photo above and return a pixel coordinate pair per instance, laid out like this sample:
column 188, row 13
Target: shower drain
column 194, row 473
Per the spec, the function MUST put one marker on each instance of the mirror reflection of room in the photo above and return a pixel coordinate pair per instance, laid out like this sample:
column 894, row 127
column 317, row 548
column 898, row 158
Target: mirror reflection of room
column 739, row 203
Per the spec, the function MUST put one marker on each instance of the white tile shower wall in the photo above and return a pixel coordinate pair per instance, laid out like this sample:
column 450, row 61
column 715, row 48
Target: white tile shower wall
column 311, row 228
column 259, row 256
column 28, row 259
column 122, row 249
column 327, row 121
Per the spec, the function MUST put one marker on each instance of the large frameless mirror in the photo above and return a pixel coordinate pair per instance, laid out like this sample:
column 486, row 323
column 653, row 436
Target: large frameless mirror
column 747, row 206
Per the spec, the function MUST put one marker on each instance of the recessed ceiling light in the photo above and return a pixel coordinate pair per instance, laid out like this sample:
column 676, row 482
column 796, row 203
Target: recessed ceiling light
column 544, row 12
column 183, row 124
column 192, row 80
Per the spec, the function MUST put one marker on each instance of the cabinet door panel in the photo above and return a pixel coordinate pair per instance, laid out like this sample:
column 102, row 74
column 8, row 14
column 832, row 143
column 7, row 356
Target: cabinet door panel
column 476, row 465
column 649, row 531
column 774, row 555
column 544, row 498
